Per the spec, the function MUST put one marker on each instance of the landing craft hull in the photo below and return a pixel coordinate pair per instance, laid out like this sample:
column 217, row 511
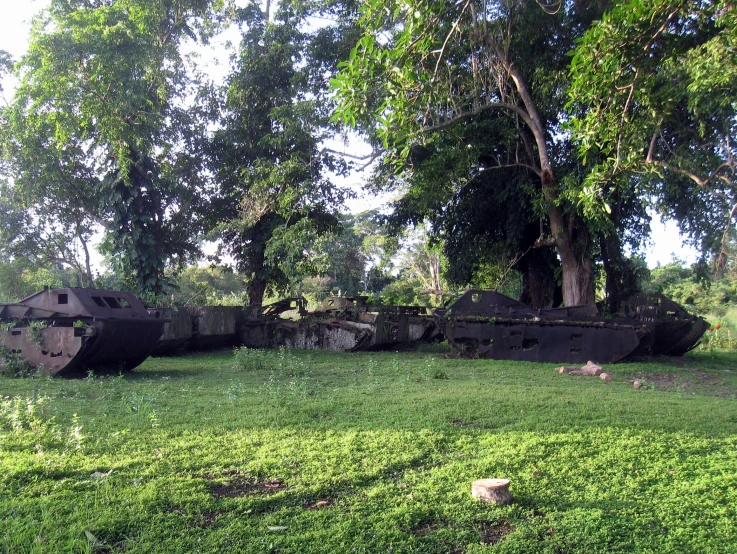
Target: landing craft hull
column 347, row 325
column 327, row 335
column 67, row 331
column 486, row 324
column 543, row 341
column 674, row 330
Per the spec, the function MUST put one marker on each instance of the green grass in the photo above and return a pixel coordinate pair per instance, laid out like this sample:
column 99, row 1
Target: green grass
column 370, row 452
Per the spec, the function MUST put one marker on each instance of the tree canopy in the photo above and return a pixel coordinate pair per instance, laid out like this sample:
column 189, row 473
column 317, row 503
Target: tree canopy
column 274, row 196
column 422, row 67
column 99, row 132
column 653, row 94
column 521, row 135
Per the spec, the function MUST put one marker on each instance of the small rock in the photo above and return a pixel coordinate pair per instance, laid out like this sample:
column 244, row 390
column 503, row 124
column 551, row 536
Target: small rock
column 592, row 369
column 606, row 377
column 636, row 384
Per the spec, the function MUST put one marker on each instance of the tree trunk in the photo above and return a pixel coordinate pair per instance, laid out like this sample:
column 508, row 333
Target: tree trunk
column 573, row 248
column 495, row 491
column 88, row 279
column 256, row 292
column 538, row 288
column 574, row 254
column 578, row 286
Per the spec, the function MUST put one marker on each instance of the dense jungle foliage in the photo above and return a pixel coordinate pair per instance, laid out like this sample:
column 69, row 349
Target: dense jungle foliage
column 525, row 146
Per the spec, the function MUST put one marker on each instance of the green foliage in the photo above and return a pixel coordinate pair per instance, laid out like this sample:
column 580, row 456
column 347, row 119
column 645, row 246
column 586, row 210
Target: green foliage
column 715, row 301
column 13, row 364
column 369, row 451
column 405, row 292
column 214, row 285
column 21, row 278
column 687, row 287
column 253, row 359
column 465, row 99
column 98, row 135
column 274, row 198
column 356, row 258
column 719, row 337
column 652, row 91
column 34, row 330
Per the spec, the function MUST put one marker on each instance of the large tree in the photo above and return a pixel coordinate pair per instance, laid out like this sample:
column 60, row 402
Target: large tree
column 423, row 67
column 274, row 196
column 99, row 132
column 654, row 89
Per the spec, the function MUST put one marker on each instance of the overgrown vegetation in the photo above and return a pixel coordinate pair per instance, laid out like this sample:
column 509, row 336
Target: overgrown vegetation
column 329, row 452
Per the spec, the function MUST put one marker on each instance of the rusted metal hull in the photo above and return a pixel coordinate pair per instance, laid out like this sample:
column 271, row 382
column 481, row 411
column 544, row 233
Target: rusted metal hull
column 486, row 324
column 674, row 330
column 326, row 335
column 177, row 332
column 543, row 341
column 58, row 350
column 347, row 325
column 67, row 331
column 199, row 328
column 215, row 326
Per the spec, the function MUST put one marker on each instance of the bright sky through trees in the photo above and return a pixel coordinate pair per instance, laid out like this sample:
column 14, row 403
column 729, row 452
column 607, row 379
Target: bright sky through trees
column 14, row 29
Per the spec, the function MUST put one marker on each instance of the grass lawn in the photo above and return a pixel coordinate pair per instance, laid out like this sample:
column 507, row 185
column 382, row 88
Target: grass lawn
column 370, row 452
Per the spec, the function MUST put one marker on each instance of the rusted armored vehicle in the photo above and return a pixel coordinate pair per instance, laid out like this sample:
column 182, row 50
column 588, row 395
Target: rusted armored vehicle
column 347, row 323
column 487, row 324
column 198, row 328
column 67, row 330
column 674, row 330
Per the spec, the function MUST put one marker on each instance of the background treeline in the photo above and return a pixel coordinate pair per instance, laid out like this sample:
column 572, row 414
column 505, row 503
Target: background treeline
column 525, row 145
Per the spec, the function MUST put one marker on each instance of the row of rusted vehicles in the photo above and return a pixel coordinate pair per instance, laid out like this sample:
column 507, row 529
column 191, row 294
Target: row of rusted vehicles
column 71, row 330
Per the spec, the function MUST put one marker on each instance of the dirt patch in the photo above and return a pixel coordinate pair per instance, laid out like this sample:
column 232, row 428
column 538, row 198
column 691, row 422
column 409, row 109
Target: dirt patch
column 695, row 380
column 320, row 504
column 238, row 487
column 491, row 534
column 426, row 527
column 206, row 519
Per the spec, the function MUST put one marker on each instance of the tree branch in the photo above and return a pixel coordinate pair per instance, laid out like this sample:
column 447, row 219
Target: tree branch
column 695, row 178
column 472, row 113
column 370, row 157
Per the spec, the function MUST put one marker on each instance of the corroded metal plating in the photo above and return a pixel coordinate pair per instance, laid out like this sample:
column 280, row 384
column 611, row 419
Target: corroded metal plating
column 65, row 330
column 490, row 325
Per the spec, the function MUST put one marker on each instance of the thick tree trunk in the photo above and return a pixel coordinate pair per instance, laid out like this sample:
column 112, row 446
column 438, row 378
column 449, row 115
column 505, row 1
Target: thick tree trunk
column 538, row 288
column 574, row 256
column 578, row 286
column 256, row 292
column 573, row 248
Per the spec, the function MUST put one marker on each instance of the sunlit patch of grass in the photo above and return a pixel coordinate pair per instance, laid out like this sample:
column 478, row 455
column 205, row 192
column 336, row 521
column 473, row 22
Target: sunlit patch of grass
column 370, row 452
